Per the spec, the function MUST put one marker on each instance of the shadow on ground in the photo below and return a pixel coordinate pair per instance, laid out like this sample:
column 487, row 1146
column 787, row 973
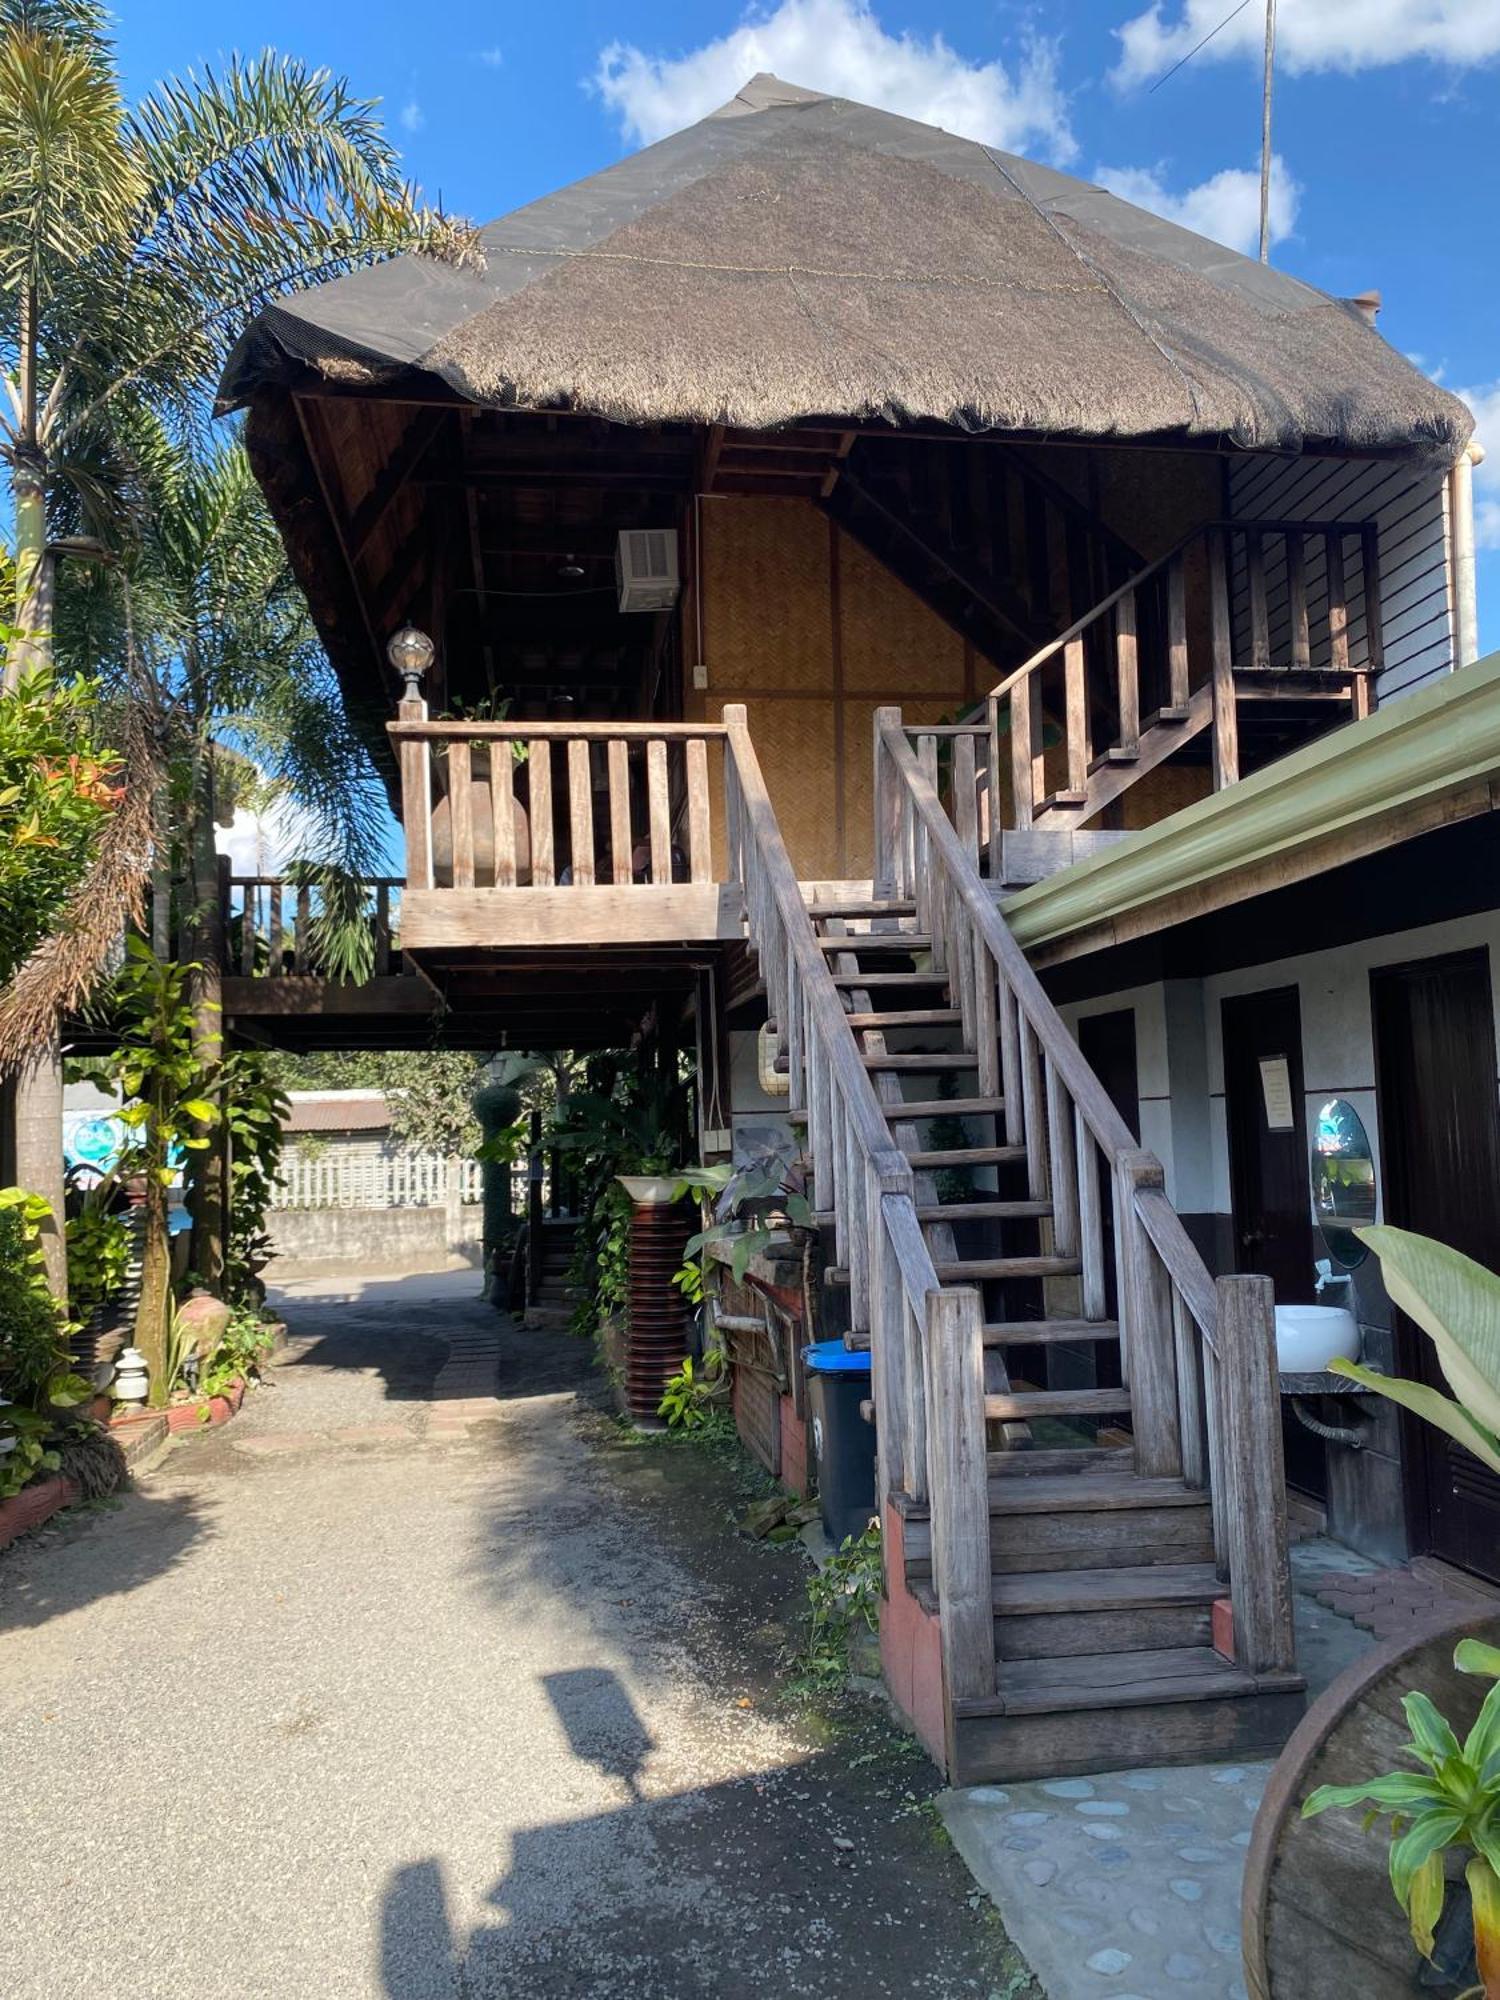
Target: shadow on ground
column 812, row 1879
column 151, row 1537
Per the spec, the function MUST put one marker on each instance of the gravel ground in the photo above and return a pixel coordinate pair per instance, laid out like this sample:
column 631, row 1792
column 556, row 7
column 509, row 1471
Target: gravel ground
column 350, row 1699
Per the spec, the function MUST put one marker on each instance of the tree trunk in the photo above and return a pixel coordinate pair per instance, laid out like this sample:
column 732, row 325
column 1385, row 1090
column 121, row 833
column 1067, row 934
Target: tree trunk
column 34, row 1155
column 156, row 1290
column 207, row 1170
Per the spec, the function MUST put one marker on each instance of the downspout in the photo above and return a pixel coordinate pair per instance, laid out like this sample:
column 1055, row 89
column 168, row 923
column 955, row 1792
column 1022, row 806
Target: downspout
column 1461, row 519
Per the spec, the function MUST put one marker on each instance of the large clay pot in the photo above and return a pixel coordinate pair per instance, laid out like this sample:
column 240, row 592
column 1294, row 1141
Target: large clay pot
column 484, row 827
column 208, row 1318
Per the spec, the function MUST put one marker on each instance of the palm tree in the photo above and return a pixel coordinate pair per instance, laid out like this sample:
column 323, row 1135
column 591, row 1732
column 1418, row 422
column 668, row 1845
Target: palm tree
column 203, row 622
column 133, row 246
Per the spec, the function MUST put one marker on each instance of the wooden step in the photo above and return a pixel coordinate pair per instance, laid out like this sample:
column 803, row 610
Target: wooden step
column 1115, row 1490
column 963, row 1270
column 914, row 1110
column 964, row 1156
column 925, row 1060
column 1063, row 1523
column 893, row 906
column 1075, row 1461
column 913, row 1017
column 862, row 941
column 890, row 979
column 1128, row 1588
column 1047, row 1332
column 983, row 1211
column 1054, row 1402
column 976, row 1211
column 1115, row 1680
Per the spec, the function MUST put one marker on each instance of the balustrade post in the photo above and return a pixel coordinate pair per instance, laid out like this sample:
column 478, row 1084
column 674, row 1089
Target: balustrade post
column 416, row 797
column 1147, row 1343
column 960, row 1491
column 886, row 865
column 1253, row 1478
column 1226, row 717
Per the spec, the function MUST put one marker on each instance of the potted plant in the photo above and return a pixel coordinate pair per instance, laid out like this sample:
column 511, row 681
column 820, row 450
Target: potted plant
column 1448, row 1805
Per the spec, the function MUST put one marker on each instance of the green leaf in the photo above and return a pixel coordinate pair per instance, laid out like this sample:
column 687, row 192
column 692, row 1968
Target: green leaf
column 1457, row 1303
column 1484, row 1738
column 1400, row 1788
column 1473, row 1656
column 1423, row 1840
column 1431, row 1734
column 1424, row 1902
column 199, row 1108
column 1430, row 1404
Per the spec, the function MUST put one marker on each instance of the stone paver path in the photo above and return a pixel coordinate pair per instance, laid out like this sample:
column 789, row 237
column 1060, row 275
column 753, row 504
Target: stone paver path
column 1126, row 1886
column 398, row 1689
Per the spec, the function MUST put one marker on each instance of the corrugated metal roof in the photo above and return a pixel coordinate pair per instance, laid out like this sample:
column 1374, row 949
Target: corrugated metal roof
column 337, row 1111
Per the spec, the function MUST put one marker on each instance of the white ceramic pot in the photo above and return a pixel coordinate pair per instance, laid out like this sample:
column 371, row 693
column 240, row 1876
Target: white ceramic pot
column 648, row 1190
column 1309, row 1337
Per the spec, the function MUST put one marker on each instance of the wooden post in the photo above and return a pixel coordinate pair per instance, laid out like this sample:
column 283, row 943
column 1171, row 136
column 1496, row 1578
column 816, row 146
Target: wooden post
column 887, row 871
column 539, row 793
column 1127, row 670
column 1296, row 600
column 1076, row 695
column 1226, row 720
column 1022, row 760
column 1260, row 622
column 960, row 1491
column 1177, row 639
column 997, row 817
column 416, row 798
column 461, row 810
column 1366, row 690
column 1254, row 1479
column 1146, row 1337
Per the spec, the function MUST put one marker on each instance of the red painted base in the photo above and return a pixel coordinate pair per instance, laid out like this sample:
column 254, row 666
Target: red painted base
column 911, row 1653
column 796, row 1466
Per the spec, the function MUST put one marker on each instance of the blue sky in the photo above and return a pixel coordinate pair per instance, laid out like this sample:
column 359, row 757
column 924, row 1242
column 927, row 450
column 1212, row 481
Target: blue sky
column 1387, row 113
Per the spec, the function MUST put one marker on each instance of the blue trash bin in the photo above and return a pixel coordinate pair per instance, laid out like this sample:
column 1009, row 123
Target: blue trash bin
column 843, row 1443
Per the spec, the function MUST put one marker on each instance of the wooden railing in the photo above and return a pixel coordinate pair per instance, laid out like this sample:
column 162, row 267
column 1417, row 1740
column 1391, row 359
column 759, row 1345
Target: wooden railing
column 271, row 926
column 1198, row 1356
column 1247, row 598
column 927, row 1344
column 542, row 805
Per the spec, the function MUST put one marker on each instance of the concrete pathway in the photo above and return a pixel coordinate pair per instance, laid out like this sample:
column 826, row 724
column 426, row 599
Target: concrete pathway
column 394, row 1689
column 1126, row 1886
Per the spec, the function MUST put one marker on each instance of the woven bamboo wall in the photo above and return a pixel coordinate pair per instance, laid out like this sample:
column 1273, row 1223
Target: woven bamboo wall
column 812, row 634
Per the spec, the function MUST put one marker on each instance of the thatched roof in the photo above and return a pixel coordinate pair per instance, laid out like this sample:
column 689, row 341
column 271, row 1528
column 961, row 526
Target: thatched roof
column 796, row 256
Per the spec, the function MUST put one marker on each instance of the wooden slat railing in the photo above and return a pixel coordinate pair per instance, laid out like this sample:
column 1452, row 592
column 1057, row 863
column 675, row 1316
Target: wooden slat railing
column 271, row 926
column 555, row 804
column 926, row 1343
column 1246, row 597
column 1199, row 1358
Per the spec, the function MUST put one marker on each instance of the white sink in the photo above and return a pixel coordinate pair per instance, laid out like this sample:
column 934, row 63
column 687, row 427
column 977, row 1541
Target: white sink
column 1308, row 1338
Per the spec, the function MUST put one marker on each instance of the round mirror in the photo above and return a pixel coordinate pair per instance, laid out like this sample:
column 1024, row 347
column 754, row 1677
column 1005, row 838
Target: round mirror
column 1343, row 1179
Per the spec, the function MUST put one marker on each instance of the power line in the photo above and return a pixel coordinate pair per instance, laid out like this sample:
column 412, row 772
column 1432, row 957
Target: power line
column 1199, row 45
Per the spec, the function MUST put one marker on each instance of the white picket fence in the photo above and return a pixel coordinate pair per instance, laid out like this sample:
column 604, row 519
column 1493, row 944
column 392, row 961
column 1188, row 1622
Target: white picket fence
column 400, row 1180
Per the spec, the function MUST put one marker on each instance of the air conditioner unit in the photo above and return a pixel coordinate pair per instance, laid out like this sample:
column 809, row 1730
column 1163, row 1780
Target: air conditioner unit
column 646, row 568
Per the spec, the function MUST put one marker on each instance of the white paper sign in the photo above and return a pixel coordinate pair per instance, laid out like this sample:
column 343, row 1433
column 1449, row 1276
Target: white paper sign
column 1276, row 1088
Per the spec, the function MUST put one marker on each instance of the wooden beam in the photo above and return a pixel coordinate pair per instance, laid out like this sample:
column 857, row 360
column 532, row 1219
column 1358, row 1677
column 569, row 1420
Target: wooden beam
column 512, row 919
column 393, row 478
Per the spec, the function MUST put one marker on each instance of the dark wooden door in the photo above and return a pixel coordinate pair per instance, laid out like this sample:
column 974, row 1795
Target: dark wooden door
column 1440, row 1160
column 1269, row 1185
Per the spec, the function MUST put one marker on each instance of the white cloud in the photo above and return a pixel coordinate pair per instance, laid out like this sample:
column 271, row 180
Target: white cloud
column 492, row 57
column 839, row 46
column 413, row 118
column 1225, row 207
column 1485, row 403
column 255, row 842
column 1312, row 34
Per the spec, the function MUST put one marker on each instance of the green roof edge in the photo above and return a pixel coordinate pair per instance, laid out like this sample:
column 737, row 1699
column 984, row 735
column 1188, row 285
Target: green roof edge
column 1418, row 747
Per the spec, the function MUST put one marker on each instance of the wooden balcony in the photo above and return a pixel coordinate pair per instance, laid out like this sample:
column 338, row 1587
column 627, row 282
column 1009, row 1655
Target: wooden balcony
column 580, row 835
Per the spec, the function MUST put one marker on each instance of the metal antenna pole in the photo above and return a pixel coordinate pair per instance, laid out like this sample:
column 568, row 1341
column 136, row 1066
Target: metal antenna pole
column 1265, row 135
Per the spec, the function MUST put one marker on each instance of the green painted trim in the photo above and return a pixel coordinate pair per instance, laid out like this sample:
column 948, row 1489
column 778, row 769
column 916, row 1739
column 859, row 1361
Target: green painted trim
column 1422, row 745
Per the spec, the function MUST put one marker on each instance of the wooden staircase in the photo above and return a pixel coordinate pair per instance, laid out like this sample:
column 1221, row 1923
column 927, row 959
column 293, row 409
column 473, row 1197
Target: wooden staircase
column 1078, row 1431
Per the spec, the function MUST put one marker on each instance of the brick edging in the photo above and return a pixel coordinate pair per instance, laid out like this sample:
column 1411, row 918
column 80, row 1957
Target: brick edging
column 35, row 1504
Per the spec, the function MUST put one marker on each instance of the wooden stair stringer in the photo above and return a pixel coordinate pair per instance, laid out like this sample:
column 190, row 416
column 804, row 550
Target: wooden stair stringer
column 1107, row 781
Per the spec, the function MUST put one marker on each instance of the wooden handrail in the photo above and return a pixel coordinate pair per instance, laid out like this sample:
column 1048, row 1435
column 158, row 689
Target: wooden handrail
column 563, row 732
